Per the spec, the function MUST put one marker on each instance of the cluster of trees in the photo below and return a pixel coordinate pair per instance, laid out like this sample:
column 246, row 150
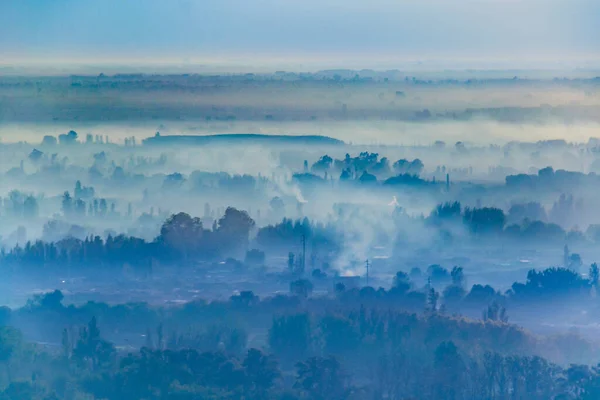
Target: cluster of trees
column 315, row 325
column 72, row 137
column 92, row 253
column 314, row 349
column 519, row 224
column 181, row 238
column 364, row 168
column 78, row 208
column 363, row 162
column 185, row 236
column 550, row 284
column 20, row 205
column 289, row 233
column 91, row 367
column 547, row 178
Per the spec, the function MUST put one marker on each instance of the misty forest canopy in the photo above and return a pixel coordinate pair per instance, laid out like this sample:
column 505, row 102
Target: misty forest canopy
column 146, row 252
column 290, row 243
column 406, row 330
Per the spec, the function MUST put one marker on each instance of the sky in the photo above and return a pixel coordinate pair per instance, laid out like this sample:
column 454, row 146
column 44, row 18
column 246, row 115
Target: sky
column 327, row 31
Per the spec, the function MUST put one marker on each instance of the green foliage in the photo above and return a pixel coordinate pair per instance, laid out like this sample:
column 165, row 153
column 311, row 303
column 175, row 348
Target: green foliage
column 594, row 275
column 551, row 282
column 495, row 312
column 318, row 348
column 320, row 379
column 446, row 212
column 217, row 337
column 291, row 336
column 91, row 351
column 401, row 282
column 261, row 373
column 10, row 342
column 340, row 334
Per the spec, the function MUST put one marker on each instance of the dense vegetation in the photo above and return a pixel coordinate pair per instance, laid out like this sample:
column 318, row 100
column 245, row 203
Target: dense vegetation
column 305, row 284
column 359, row 344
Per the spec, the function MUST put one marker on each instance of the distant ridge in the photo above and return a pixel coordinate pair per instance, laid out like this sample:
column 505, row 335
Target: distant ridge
column 240, row 138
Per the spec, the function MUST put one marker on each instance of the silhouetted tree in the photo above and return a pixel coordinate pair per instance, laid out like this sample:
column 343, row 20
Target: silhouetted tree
column 495, row 312
column 594, row 275
column 321, row 378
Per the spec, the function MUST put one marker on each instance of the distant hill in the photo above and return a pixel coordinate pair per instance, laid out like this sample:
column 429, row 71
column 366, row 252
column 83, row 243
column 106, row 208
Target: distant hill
column 240, row 138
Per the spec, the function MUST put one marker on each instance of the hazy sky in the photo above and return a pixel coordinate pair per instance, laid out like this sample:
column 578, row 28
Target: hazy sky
column 154, row 30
